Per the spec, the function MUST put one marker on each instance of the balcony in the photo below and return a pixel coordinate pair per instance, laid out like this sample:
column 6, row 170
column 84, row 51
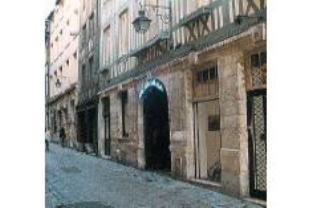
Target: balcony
column 208, row 25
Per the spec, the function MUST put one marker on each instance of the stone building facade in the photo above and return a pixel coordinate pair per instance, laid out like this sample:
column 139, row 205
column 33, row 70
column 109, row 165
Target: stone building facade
column 193, row 104
column 47, row 67
column 187, row 97
column 88, row 75
column 62, row 64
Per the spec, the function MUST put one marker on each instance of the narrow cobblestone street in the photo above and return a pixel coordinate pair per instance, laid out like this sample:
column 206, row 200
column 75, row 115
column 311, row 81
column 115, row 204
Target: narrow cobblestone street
column 77, row 180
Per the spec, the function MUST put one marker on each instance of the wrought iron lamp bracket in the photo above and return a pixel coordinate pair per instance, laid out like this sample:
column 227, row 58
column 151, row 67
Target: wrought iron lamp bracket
column 165, row 18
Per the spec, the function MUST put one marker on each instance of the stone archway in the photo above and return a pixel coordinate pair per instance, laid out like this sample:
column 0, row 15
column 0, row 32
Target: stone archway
column 154, row 127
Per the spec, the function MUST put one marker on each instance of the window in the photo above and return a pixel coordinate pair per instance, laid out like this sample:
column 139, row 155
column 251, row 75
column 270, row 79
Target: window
column 84, row 34
column 91, row 68
column 206, row 82
column 56, row 44
column 72, row 107
column 214, row 123
column 213, row 73
column 105, row 106
column 199, row 77
column 91, row 23
column 61, row 70
column 75, row 55
column 106, row 118
column 54, row 122
column 67, row 62
column 83, row 75
column 258, row 69
column 263, row 58
column 255, row 62
column 124, row 102
column 124, row 33
column 106, row 45
column 207, row 75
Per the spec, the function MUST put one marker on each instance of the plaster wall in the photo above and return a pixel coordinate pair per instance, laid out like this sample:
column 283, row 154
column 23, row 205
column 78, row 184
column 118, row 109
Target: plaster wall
column 67, row 106
column 63, row 46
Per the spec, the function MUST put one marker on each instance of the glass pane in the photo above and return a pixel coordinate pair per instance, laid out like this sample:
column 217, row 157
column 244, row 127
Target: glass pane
column 205, row 75
column 255, row 60
column 212, row 73
column 199, row 77
column 214, row 123
column 263, row 58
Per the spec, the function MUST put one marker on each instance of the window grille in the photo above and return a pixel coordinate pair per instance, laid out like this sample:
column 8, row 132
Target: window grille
column 258, row 69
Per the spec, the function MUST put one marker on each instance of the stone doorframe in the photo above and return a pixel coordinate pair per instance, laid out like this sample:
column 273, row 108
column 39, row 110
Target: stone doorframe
column 232, row 97
column 189, row 148
column 141, row 144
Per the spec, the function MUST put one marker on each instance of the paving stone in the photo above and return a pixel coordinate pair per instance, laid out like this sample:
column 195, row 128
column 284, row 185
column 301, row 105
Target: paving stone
column 77, row 180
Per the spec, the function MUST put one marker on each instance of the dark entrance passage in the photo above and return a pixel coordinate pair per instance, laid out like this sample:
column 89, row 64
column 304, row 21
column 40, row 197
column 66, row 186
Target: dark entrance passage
column 92, row 129
column 81, row 127
column 87, row 130
column 156, row 129
column 106, row 118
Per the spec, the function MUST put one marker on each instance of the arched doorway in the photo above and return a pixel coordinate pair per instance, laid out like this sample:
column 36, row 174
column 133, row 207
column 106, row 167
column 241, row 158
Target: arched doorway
column 156, row 127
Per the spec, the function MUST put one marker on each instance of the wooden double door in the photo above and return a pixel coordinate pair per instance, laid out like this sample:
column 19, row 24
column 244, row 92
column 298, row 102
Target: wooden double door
column 207, row 140
column 107, row 130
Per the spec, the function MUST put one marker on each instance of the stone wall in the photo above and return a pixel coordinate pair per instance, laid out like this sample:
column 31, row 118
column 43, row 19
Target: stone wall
column 63, row 47
column 177, row 77
column 88, row 50
column 63, row 68
column 234, row 157
column 174, row 83
column 233, row 115
column 67, row 106
column 123, row 148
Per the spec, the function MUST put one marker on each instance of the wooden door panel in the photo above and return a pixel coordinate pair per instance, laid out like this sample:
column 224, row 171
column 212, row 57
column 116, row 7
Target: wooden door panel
column 208, row 142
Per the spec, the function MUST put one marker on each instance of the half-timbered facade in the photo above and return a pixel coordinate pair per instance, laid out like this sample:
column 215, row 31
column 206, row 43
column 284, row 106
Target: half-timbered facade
column 191, row 102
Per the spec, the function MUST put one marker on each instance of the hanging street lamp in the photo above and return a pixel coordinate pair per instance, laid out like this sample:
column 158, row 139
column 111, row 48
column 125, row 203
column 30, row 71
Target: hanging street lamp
column 142, row 23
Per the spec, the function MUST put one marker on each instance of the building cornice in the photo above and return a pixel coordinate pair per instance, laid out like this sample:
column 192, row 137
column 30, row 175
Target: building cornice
column 55, row 98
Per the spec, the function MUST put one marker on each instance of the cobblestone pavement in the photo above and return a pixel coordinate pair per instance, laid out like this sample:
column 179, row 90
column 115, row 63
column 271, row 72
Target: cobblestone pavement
column 77, row 180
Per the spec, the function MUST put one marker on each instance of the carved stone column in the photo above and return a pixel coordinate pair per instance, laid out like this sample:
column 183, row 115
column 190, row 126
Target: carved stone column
column 141, row 149
column 189, row 150
column 233, row 109
column 101, row 142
